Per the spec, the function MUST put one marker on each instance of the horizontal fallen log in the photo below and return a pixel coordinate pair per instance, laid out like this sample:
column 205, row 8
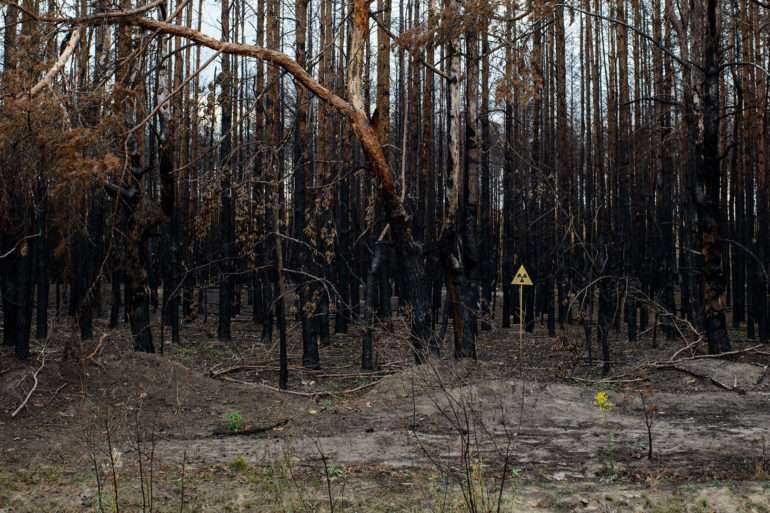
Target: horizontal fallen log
column 320, row 393
column 249, row 431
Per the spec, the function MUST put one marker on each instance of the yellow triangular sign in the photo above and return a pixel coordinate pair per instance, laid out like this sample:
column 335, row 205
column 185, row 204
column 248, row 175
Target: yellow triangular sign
column 521, row 278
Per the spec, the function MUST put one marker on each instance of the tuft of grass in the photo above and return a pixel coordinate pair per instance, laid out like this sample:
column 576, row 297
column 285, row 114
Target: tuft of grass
column 239, row 465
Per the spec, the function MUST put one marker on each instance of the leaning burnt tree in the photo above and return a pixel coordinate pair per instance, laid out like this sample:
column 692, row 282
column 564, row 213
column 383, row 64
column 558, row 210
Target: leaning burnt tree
column 409, row 252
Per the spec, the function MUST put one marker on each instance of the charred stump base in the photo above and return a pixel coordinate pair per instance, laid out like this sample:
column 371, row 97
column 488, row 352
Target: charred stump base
column 716, row 333
column 607, row 310
column 139, row 317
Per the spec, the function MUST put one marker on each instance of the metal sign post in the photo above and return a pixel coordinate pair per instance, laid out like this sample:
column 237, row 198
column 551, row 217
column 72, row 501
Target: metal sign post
column 521, row 279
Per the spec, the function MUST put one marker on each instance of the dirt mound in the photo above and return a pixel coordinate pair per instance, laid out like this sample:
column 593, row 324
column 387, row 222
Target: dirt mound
column 162, row 395
column 434, row 375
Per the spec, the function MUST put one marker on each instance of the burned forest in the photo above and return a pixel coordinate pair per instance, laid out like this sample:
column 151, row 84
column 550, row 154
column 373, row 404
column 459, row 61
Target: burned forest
column 472, row 256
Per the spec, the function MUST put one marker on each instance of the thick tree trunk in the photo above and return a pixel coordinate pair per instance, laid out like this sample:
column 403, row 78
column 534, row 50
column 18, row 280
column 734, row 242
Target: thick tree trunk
column 706, row 195
column 142, row 218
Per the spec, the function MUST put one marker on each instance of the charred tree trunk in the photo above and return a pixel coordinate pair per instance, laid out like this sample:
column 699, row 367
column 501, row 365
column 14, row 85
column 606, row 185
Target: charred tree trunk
column 706, row 195
column 227, row 226
column 302, row 170
column 142, row 219
column 42, row 277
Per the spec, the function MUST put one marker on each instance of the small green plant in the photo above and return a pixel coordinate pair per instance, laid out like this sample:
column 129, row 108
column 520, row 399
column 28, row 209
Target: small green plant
column 333, row 471
column 234, row 421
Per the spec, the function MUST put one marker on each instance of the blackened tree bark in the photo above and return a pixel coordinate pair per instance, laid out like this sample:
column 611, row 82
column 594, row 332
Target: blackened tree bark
column 142, row 219
column 470, row 232
column 367, row 349
column 42, row 277
column 409, row 253
column 310, row 356
column 665, row 278
column 762, row 197
column 450, row 240
column 706, row 195
column 488, row 243
column 171, row 288
column 226, row 192
column 17, row 275
column 508, row 180
column 25, row 283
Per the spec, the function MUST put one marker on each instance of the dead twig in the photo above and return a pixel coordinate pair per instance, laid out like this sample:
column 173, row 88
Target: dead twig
column 56, row 392
column 686, row 347
column 720, row 355
column 34, row 385
column 98, row 347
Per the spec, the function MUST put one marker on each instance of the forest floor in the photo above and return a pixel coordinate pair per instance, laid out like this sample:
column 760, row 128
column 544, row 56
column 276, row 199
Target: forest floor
column 214, row 436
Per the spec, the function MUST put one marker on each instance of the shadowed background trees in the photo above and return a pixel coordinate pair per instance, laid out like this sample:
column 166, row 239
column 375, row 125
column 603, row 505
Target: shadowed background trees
column 344, row 165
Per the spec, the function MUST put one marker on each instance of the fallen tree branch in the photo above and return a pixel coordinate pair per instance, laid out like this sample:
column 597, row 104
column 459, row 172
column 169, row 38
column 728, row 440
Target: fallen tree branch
column 315, row 373
column 34, row 386
column 720, row 355
column 250, row 431
column 718, row 383
column 617, row 379
column 320, row 393
column 238, row 368
column 686, row 347
column 58, row 65
column 675, row 364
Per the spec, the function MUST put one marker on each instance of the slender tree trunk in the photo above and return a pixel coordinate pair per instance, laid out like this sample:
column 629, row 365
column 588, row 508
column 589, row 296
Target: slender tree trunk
column 508, row 178
column 450, row 236
column 226, row 266
column 310, row 356
column 470, row 291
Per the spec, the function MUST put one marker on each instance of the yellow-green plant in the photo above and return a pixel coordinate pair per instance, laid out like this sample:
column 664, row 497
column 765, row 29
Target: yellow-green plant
column 602, row 401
